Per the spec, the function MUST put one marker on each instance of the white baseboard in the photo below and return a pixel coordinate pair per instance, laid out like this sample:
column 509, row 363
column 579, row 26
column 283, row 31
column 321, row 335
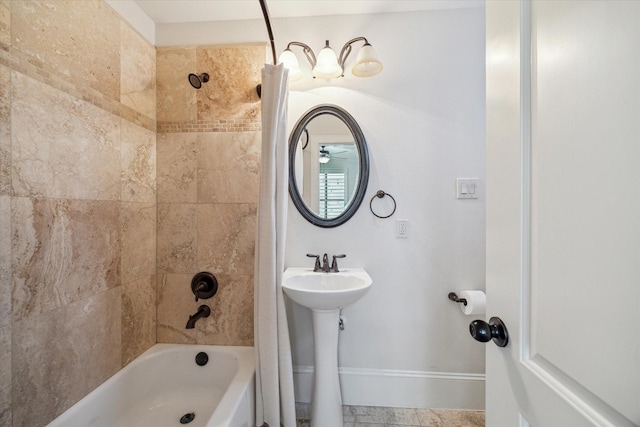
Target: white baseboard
column 404, row 389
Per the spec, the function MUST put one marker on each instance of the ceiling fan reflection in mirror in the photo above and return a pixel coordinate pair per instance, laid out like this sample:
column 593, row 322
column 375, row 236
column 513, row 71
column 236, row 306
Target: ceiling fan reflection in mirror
column 326, row 155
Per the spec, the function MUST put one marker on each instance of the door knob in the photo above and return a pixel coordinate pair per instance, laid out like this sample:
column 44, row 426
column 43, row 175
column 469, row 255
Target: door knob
column 485, row 332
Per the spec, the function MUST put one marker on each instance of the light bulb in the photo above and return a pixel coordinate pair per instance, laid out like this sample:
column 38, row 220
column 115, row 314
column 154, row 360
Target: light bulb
column 290, row 61
column 327, row 66
column 367, row 63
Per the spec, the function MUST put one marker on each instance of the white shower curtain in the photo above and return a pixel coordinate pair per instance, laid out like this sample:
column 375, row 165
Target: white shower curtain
column 275, row 402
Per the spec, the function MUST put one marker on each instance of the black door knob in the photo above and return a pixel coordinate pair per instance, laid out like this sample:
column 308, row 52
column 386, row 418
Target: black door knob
column 494, row 330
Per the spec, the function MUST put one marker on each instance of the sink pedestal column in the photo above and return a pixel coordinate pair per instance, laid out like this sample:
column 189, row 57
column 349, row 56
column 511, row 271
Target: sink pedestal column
column 326, row 405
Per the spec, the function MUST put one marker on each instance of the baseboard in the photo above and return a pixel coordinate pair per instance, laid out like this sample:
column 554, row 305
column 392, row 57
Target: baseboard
column 404, row 389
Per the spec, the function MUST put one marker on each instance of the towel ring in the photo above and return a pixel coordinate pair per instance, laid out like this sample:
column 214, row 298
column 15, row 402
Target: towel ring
column 380, row 194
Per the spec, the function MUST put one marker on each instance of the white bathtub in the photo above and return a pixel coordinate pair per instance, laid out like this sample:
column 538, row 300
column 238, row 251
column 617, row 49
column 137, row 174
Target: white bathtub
column 165, row 383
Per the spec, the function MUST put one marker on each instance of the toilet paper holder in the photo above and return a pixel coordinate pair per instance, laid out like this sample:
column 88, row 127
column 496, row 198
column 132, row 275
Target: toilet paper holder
column 454, row 297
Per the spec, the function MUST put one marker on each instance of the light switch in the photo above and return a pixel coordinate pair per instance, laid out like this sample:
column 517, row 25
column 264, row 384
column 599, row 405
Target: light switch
column 467, row 188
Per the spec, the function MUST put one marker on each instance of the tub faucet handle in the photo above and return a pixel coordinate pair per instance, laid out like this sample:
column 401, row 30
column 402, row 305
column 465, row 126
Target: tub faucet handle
column 204, row 285
column 200, row 287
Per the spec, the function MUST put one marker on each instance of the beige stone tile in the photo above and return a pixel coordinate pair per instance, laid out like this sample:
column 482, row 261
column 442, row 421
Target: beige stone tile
column 371, row 414
column 5, row 130
column 62, row 147
column 229, row 167
column 138, row 317
column 5, row 310
column 5, row 261
column 402, row 416
column 176, row 303
column 226, row 238
column 63, row 251
column 231, row 320
column 234, row 73
column 428, row 418
column 176, row 234
column 5, row 22
column 176, row 98
column 450, row 418
column 348, row 413
column 70, row 351
column 177, row 162
column 138, row 72
column 138, row 163
column 80, row 39
column 138, row 259
column 5, row 376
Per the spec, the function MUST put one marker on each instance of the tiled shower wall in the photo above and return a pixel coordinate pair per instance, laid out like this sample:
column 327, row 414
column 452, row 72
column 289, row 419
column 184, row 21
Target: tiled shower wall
column 208, row 177
column 77, row 203
column 79, row 207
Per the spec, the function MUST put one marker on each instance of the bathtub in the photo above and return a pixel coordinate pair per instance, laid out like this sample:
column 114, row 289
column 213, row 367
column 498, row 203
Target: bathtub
column 166, row 387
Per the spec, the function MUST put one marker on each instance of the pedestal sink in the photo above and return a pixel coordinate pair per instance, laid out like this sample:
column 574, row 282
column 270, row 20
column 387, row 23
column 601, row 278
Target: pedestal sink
column 325, row 294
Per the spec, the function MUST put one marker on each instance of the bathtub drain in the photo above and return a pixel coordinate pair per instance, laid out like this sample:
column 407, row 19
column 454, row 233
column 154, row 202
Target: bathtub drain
column 202, row 358
column 187, row 418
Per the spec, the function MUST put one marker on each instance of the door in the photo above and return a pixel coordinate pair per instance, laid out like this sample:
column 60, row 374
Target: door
column 563, row 212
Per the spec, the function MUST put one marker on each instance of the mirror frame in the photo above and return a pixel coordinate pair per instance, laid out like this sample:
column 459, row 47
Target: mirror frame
column 363, row 164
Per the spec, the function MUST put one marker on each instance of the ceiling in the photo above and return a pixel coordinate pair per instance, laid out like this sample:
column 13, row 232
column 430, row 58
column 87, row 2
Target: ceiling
column 179, row 11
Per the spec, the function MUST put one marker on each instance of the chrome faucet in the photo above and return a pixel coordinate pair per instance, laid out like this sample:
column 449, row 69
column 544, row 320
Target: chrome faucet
column 203, row 311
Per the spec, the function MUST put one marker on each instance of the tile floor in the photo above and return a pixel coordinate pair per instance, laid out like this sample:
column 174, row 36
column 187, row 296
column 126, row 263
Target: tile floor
column 375, row 416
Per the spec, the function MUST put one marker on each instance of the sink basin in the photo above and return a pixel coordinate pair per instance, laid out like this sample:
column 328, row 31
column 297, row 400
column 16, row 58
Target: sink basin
column 325, row 291
column 325, row 294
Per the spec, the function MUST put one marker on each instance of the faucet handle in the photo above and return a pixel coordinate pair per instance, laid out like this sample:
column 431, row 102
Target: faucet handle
column 316, row 267
column 334, row 263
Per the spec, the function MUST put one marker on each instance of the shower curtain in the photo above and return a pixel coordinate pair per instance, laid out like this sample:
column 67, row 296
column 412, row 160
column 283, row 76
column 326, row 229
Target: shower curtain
column 275, row 404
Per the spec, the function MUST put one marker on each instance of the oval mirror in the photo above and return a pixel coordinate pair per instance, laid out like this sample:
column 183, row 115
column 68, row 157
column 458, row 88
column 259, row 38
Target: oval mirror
column 328, row 166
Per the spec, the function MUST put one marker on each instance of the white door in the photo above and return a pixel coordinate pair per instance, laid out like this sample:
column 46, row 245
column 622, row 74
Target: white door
column 563, row 212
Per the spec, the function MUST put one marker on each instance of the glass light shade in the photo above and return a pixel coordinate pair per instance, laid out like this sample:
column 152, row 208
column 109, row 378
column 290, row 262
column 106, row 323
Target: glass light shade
column 324, row 158
column 289, row 60
column 327, row 66
column 367, row 63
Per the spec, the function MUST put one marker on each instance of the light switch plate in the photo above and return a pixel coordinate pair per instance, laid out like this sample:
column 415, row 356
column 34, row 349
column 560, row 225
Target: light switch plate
column 467, row 188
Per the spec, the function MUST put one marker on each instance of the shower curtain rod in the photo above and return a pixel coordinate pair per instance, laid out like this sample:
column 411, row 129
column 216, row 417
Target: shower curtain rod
column 267, row 21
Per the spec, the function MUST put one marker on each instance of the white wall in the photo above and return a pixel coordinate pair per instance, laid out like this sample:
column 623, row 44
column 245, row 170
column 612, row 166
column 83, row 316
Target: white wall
column 423, row 118
column 405, row 344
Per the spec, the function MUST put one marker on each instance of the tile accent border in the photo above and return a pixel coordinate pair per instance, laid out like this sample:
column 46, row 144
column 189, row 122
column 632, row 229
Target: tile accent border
column 233, row 125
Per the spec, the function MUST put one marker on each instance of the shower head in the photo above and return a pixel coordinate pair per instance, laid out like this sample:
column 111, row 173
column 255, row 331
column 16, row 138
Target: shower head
column 196, row 81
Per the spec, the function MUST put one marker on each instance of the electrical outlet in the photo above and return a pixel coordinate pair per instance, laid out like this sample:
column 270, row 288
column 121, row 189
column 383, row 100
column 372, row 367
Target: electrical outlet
column 402, row 228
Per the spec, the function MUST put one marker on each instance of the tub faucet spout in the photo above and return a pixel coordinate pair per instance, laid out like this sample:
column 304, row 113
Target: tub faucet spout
column 203, row 311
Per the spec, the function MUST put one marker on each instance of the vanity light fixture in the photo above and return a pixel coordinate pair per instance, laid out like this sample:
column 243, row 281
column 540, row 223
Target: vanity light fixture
column 328, row 65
